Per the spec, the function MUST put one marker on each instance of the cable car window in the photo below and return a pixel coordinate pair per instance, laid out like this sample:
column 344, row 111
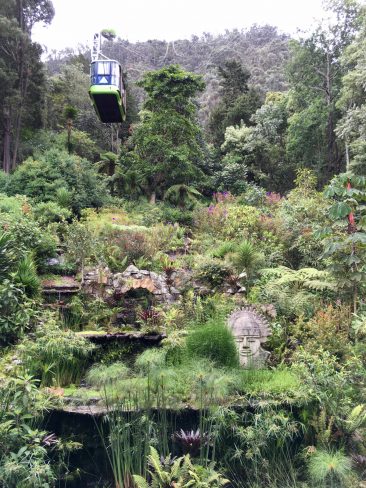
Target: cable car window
column 104, row 68
column 105, row 73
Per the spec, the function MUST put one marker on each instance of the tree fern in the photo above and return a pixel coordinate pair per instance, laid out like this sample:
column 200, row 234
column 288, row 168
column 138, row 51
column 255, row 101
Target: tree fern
column 305, row 278
column 182, row 195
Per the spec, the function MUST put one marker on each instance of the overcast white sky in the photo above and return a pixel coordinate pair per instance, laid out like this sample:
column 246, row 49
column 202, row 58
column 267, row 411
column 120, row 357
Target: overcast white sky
column 76, row 21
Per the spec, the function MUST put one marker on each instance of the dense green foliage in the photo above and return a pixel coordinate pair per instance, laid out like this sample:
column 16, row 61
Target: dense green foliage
column 42, row 179
column 167, row 149
column 237, row 181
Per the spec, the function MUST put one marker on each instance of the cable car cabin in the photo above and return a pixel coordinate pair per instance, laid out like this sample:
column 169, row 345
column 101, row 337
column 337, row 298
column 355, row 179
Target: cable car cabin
column 107, row 91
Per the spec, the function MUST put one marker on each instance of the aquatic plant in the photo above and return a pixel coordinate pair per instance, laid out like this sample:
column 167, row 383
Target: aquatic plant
column 57, row 357
column 329, row 467
column 100, row 375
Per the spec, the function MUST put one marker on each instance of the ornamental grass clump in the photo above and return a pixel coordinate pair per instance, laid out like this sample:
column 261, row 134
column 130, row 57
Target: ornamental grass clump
column 101, row 375
column 268, row 381
column 151, row 359
column 330, row 468
column 213, row 341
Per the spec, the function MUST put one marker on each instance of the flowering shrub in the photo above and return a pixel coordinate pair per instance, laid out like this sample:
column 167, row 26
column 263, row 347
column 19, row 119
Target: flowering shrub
column 126, row 244
column 273, row 198
column 211, row 219
column 223, row 197
column 241, row 221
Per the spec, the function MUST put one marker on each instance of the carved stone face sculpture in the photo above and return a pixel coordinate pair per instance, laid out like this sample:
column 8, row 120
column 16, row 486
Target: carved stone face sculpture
column 250, row 330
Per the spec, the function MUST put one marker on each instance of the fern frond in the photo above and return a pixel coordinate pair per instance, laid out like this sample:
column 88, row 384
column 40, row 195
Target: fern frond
column 356, row 418
column 318, row 285
column 140, row 482
column 154, row 462
column 310, row 278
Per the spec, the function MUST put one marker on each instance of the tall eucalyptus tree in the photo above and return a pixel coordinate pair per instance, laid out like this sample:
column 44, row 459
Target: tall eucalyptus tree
column 21, row 73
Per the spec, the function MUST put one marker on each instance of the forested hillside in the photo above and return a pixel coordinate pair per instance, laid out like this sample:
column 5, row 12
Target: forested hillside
column 261, row 49
column 182, row 294
column 285, row 104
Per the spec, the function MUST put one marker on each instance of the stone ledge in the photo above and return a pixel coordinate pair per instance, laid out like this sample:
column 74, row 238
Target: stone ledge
column 100, row 338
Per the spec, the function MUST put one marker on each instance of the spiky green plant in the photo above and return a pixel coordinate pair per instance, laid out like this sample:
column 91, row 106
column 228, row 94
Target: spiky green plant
column 26, row 276
column 64, row 197
column 245, row 257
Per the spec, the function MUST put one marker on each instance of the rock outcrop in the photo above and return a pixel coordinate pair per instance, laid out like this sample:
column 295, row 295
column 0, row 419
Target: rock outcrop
column 117, row 285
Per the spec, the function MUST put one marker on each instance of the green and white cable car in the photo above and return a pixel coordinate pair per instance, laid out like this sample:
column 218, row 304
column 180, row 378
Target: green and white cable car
column 107, row 90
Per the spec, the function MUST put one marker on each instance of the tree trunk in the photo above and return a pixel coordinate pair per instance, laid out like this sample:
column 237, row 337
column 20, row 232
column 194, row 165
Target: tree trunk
column 347, row 157
column 7, row 142
column 111, row 171
column 82, row 271
column 332, row 149
column 18, row 124
column 355, row 296
column 69, row 129
column 20, row 14
column 152, row 200
column 23, row 73
column 333, row 160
